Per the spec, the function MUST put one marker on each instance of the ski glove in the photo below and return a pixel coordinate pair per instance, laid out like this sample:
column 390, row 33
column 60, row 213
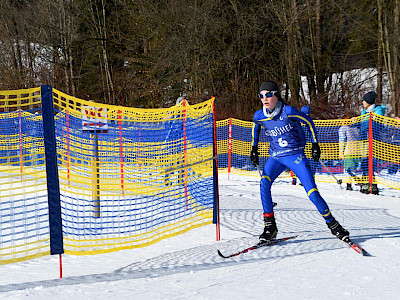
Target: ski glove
column 315, row 152
column 254, row 155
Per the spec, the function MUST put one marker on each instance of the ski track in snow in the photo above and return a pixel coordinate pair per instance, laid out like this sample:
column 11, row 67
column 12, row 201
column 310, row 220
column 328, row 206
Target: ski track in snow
column 370, row 225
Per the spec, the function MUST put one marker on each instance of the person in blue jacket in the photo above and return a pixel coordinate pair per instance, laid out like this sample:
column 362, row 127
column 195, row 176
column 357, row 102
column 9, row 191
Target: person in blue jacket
column 282, row 125
column 369, row 105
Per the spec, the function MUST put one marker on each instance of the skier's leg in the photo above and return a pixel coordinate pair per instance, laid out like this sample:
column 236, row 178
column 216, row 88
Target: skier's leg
column 350, row 166
column 271, row 171
column 365, row 188
column 303, row 171
column 301, row 167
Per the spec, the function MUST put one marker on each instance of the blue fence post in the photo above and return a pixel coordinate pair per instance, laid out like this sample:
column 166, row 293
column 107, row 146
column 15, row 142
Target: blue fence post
column 216, row 219
column 53, row 186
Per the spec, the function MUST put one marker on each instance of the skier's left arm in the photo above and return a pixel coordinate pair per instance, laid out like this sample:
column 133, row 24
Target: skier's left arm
column 306, row 120
column 303, row 118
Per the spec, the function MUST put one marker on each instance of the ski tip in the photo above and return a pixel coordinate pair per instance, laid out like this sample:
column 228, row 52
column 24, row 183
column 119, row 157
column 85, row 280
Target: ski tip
column 288, row 238
column 365, row 253
column 220, row 254
column 356, row 247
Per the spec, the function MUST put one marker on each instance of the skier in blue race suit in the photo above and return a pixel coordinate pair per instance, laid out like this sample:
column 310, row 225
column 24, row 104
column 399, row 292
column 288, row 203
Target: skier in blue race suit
column 286, row 137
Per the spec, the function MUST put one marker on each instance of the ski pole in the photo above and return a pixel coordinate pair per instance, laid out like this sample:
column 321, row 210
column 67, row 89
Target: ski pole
column 259, row 171
column 339, row 181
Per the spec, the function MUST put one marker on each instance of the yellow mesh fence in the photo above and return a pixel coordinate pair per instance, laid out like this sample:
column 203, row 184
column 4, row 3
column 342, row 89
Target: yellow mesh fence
column 130, row 177
column 24, row 230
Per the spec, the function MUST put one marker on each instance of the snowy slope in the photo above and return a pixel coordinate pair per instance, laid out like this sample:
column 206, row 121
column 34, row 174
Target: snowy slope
column 315, row 265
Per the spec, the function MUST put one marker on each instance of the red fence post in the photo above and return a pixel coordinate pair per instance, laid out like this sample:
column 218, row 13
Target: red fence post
column 370, row 154
column 60, row 262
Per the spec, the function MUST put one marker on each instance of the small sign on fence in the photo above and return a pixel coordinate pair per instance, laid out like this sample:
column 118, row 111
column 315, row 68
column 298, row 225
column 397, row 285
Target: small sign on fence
column 94, row 118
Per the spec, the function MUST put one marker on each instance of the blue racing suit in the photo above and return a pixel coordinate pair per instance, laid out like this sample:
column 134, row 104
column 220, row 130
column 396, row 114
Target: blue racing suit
column 286, row 137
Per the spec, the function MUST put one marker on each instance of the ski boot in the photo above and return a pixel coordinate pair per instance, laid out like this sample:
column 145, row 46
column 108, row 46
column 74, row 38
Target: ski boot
column 349, row 187
column 270, row 230
column 365, row 189
column 337, row 230
column 375, row 190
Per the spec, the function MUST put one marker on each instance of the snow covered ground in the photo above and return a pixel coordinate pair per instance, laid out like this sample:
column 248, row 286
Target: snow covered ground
column 315, row 265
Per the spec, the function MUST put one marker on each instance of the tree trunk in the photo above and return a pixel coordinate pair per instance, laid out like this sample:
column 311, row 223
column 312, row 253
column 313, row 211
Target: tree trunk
column 292, row 67
column 380, row 52
column 107, row 69
column 319, row 71
column 396, row 71
column 65, row 36
column 388, row 55
column 312, row 90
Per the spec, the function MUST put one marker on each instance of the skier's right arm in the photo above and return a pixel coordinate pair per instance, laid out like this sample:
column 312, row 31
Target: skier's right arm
column 255, row 133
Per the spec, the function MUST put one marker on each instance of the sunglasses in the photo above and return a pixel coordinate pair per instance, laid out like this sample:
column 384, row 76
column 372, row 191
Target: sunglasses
column 269, row 94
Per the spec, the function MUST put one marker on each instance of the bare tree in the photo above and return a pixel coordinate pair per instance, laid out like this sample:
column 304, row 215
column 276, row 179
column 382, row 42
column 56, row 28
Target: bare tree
column 389, row 39
column 147, row 53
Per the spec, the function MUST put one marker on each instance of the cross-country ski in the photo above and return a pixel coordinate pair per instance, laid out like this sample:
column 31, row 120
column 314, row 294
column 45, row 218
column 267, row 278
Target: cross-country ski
column 256, row 246
column 356, row 247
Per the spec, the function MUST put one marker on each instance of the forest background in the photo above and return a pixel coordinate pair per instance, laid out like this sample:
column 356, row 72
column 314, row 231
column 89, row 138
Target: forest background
column 147, row 53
